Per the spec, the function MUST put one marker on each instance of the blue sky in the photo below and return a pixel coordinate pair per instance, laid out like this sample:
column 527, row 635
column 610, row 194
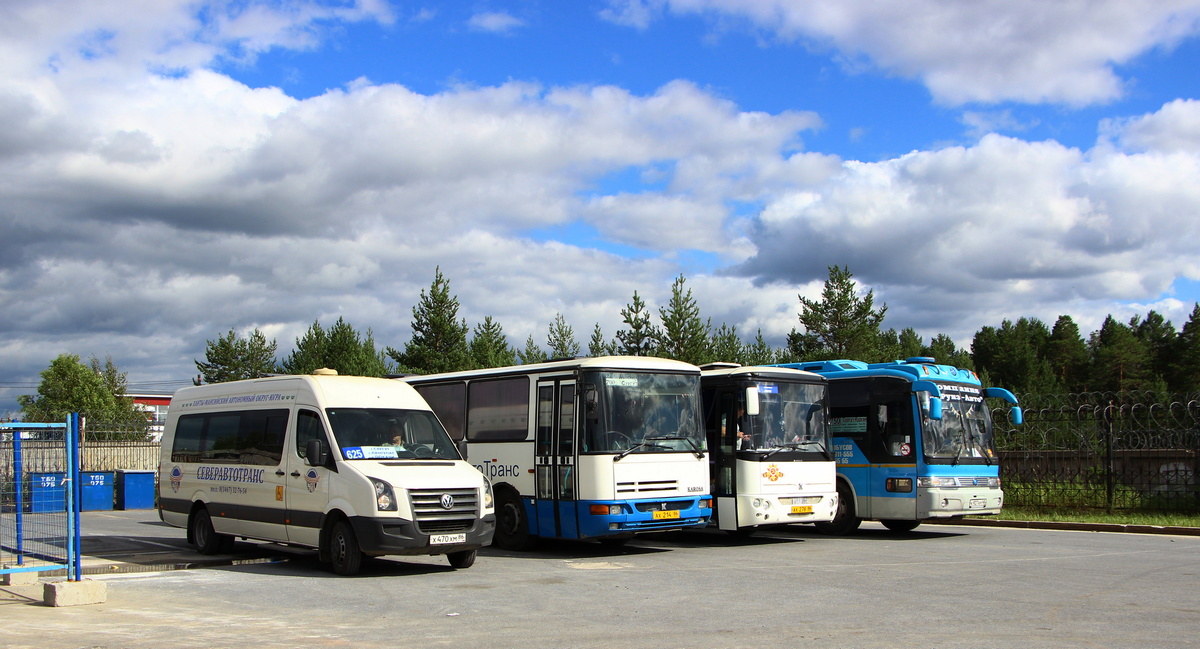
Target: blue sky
column 175, row 169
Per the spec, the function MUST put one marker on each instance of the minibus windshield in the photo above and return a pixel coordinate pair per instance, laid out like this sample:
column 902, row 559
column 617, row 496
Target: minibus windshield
column 387, row 434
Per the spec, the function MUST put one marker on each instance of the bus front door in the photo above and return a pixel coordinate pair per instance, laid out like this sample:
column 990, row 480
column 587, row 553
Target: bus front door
column 555, row 460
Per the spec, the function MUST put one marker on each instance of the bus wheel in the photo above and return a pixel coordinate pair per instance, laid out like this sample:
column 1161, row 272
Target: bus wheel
column 512, row 525
column 460, row 560
column 207, row 540
column 344, row 553
column 844, row 521
column 900, row 526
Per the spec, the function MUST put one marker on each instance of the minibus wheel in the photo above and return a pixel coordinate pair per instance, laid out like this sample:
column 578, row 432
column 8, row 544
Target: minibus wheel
column 344, row 553
column 207, row 540
column 460, row 560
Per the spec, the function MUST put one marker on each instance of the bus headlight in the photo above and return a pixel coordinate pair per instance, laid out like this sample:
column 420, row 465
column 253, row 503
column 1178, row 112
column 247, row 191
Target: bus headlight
column 706, row 504
column 936, row 481
column 385, row 498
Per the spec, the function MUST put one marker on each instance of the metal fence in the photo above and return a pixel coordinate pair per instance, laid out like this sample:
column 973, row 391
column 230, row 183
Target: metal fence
column 39, row 498
column 1106, row 451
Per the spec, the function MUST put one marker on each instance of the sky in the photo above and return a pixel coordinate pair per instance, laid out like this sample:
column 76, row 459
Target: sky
column 171, row 170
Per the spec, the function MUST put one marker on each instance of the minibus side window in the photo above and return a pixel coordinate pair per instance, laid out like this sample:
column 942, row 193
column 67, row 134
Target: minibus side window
column 260, row 439
column 189, row 431
column 308, row 426
column 221, row 441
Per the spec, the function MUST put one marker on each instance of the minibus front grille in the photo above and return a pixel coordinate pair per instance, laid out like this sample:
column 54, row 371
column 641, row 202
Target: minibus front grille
column 433, row 518
column 647, row 486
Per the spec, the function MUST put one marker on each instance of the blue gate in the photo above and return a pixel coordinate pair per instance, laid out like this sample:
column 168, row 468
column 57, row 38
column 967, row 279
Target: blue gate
column 40, row 497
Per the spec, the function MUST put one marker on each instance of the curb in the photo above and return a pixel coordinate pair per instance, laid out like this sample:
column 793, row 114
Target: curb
column 1077, row 527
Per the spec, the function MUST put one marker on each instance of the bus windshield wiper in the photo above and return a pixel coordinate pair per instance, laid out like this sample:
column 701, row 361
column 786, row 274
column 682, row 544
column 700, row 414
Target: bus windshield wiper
column 635, row 446
column 695, row 449
column 789, row 446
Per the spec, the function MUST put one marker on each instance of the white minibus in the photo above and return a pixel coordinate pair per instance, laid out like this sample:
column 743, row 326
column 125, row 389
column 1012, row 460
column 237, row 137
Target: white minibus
column 351, row 466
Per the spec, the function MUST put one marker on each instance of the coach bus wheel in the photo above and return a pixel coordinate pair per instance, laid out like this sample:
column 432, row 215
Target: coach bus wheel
column 512, row 526
column 207, row 540
column 460, row 560
column 344, row 552
column 844, row 521
column 900, row 526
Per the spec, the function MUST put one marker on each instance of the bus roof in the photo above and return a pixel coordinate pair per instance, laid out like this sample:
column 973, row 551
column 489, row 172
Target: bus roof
column 617, row 363
column 915, row 368
column 760, row 371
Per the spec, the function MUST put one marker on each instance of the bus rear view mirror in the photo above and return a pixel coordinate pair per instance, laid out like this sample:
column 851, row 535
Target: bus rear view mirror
column 752, row 407
column 1017, row 415
column 935, row 408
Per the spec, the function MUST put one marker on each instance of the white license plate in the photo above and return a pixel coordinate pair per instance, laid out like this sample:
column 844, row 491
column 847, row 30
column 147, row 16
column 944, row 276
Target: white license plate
column 977, row 503
column 444, row 539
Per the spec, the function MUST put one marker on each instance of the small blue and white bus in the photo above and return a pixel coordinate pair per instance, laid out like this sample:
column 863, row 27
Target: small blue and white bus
column 913, row 441
column 589, row 448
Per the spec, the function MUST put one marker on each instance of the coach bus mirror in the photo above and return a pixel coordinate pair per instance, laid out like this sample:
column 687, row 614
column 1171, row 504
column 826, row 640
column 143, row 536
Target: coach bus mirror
column 1016, row 415
column 316, row 453
column 590, row 399
column 935, row 408
column 752, row 408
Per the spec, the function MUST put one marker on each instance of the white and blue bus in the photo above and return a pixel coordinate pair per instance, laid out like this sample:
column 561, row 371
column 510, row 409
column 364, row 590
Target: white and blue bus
column 913, row 441
column 591, row 448
column 770, row 451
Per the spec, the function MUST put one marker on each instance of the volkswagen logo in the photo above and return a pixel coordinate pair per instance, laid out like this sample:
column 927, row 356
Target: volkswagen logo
column 447, row 501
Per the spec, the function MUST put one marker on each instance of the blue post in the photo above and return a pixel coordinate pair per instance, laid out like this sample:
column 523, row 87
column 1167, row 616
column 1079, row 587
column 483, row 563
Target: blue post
column 19, row 478
column 73, row 493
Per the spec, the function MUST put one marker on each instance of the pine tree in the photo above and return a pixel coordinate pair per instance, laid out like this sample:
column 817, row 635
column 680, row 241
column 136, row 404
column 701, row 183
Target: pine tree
column 233, row 358
column 598, row 346
column 1013, row 356
column 532, row 353
column 910, row 344
column 683, row 335
column 439, row 340
column 561, row 339
column 340, row 348
column 309, row 353
column 638, row 339
column 725, row 347
column 489, row 347
column 1120, row 361
column 839, row 325
column 1158, row 335
column 760, row 353
column 1184, row 371
column 1067, row 353
column 943, row 349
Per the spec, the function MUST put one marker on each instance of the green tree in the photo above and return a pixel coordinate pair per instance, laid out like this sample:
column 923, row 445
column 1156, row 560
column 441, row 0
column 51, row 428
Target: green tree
column 725, row 346
column 1068, row 355
column 489, row 346
column 942, row 348
column 1184, row 372
column 232, row 358
column 1120, row 360
column 638, row 339
column 598, row 345
column 1158, row 335
column 760, row 353
column 97, row 392
column 1013, row 356
column 839, row 325
column 340, row 348
column 561, row 339
column 683, row 335
column 439, row 340
column 532, row 353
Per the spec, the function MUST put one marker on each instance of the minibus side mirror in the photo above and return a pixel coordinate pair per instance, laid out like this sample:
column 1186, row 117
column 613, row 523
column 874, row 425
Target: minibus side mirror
column 316, row 453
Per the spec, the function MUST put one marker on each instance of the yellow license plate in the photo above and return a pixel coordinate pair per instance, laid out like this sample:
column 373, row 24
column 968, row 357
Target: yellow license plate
column 662, row 516
column 801, row 509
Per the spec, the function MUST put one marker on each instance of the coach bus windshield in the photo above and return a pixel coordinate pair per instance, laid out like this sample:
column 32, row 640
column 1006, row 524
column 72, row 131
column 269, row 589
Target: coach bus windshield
column 964, row 433
column 642, row 412
column 791, row 421
column 385, row 434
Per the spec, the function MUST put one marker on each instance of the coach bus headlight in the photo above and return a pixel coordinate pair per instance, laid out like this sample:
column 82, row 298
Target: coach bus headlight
column 385, row 498
column 994, row 482
column 605, row 510
column 936, row 481
column 706, row 504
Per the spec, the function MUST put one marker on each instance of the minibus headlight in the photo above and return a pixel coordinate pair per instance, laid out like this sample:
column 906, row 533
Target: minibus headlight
column 487, row 494
column 385, row 497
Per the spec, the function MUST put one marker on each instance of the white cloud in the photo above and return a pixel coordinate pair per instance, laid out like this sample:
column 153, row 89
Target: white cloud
column 495, row 22
column 986, row 51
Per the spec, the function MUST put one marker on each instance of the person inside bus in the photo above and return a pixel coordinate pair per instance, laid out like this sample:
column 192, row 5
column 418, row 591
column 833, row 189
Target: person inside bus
column 744, row 440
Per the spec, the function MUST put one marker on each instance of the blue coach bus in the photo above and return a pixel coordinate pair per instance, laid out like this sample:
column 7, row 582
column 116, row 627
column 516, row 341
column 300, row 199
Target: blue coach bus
column 913, row 441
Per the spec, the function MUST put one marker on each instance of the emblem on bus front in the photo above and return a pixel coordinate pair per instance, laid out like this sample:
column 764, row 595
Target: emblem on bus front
column 447, row 501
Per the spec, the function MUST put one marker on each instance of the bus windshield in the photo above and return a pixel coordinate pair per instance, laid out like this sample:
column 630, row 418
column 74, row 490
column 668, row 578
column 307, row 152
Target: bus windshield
column 388, row 434
column 964, row 433
column 642, row 412
column 791, row 419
